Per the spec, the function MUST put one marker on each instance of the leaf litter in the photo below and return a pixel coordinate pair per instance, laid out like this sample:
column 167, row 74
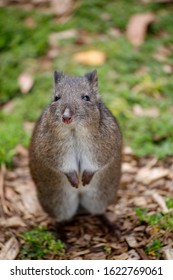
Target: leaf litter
column 145, row 183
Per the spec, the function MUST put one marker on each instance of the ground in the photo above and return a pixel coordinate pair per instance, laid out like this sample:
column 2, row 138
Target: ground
column 137, row 234
column 130, row 44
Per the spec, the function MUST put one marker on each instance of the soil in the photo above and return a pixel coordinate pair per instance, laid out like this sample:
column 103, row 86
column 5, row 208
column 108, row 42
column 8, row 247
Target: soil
column 118, row 235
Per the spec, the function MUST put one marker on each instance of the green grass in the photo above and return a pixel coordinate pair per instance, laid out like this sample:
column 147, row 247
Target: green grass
column 12, row 133
column 154, row 248
column 128, row 77
column 159, row 223
column 39, row 243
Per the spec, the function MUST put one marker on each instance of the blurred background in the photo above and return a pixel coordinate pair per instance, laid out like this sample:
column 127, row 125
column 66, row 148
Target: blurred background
column 129, row 42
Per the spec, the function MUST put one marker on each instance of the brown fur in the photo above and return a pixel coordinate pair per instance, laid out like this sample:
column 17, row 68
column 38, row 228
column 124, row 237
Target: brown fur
column 80, row 162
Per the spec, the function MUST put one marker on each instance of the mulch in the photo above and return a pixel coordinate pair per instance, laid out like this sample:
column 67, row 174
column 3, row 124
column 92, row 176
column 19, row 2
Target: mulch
column 145, row 183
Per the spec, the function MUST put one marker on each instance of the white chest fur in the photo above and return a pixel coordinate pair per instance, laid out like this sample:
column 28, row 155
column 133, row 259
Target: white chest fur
column 79, row 155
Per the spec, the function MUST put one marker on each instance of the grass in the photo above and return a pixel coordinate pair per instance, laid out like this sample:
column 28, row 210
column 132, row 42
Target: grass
column 154, row 248
column 39, row 243
column 128, row 77
column 159, row 223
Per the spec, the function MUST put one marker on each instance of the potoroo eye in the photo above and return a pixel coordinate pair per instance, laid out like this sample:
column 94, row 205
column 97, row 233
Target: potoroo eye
column 56, row 98
column 86, row 98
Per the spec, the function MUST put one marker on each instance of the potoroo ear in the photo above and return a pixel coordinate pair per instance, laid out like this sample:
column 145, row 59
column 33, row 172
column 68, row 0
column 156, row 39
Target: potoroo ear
column 57, row 76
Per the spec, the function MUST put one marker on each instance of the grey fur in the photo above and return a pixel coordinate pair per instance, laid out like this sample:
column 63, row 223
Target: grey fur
column 79, row 162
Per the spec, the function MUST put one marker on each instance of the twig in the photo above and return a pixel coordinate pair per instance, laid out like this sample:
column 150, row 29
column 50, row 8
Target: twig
column 2, row 195
column 160, row 201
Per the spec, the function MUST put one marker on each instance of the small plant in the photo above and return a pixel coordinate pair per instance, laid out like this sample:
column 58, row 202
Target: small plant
column 162, row 220
column 167, row 221
column 39, row 243
column 141, row 214
column 154, row 248
column 159, row 223
column 169, row 202
column 107, row 249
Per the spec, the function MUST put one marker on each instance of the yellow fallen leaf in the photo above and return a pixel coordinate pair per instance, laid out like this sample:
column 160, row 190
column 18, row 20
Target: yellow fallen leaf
column 91, row 57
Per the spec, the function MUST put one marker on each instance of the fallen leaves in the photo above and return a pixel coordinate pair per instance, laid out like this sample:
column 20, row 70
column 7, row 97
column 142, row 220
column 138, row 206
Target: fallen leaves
column 25, row 82
column 133, row 255
column 10, row 249
column 147, row 176
column 88, row 237
column 150, row 112
column 60, row 7
column 159, row 199
column 123, row 256
column 168, row 253
column 137, row 27
column 95, row 256
column 30, row 202
column 131, row 240
column 29, row 126
column 13, row 222
column 91, row 57
column 3, row 203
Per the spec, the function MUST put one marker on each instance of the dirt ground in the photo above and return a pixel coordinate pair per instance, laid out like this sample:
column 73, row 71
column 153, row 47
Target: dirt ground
column 145, row 183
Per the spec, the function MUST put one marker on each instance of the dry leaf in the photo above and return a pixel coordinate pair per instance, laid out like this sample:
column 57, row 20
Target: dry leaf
column 157, row 197
column 26, row 82
column 8, row 107
column 126, row 179
column 55, row 36
column 2, row 189
column 53, row 53
column 142, row 253
column 151, row 112
column 20, row 150
column 147, row 176
column 29, row 126
column 168, row 69
column 132, row 241
column 95, row 256
column 91, row 57
column 82, row 252
column 139, row 228
column 123, row 256
column 29, row 199
column 133, row 255
column 14, row 221
column 127, row 150
column 128, row 167
column 168, row 253
column 137, row 27
column 10, row 250
column 140, row 201
column 77, row 258
column 60, row 7
column 151, row 163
